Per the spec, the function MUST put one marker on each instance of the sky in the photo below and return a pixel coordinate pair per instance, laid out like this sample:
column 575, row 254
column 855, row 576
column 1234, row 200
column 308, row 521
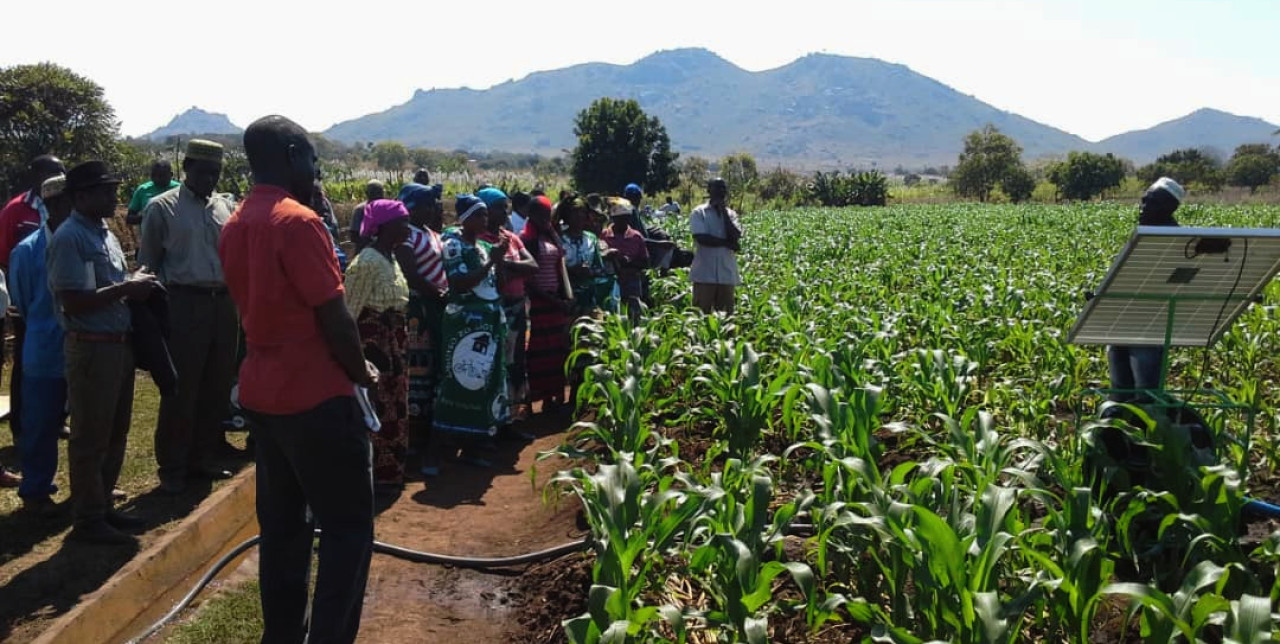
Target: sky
column 1091, row 67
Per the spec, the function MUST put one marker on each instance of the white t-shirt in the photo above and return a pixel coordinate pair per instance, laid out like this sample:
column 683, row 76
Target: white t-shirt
column 713, row 264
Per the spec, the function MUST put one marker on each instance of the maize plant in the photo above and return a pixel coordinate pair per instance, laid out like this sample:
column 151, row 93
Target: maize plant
column 898, row 384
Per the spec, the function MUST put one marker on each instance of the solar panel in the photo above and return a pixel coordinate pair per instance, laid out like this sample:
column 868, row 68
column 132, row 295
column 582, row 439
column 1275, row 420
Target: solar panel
column 1192, row 271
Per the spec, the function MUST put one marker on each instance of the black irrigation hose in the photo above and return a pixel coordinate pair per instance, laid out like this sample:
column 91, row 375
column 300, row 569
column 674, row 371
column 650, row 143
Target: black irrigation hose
column 416, row 556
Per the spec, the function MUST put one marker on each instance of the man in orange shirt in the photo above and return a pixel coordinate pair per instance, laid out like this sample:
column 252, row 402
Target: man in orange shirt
column 297, row 388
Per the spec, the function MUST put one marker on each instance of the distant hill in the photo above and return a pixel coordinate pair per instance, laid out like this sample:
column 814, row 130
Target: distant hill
column 816, row 112
column 195, row 121
column 1203, row 128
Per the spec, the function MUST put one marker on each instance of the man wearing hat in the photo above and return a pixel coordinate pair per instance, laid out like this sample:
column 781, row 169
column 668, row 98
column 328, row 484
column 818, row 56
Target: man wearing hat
column 19, row 218
column 373, row 191
column 179, row 243
column 44, row 387
column 717, row 234
column 88, row 277
column 1138, row 367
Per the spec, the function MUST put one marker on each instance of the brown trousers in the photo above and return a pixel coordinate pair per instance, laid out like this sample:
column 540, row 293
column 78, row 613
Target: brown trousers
column 203, row 346
column 100, row 395
column 713, row 297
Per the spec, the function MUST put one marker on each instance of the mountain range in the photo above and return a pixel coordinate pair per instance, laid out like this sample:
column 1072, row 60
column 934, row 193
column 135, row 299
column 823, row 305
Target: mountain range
column 820, row 111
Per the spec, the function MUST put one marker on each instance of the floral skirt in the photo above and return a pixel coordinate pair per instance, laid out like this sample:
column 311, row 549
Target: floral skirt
column 384, row 336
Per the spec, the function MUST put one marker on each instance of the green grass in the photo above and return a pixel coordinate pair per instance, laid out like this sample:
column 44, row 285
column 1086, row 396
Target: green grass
column 139, row 472
column 233, row 616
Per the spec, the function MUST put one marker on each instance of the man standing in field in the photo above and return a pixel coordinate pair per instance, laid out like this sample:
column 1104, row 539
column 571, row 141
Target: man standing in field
column 88, row 279
column 296, row 385
column 373, row 191
column 19, row 218
column 161, row 182
column 44, row 385
column 717, row 236
column 180, row 230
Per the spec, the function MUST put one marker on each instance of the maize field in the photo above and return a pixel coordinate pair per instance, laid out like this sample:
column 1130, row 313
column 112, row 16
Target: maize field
column 888, row 442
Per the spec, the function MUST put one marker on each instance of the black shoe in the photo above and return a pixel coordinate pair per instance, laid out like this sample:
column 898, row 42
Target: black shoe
column 44, row 507
column 172, row 486
column 122, row 521
column 209, row 474
column 102, row 534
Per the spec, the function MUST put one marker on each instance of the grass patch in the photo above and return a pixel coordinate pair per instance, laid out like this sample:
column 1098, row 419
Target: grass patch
column 233, row 616
column 139, row 472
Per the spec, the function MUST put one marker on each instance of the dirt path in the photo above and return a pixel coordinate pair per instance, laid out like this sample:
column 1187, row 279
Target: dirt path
column 466, row 511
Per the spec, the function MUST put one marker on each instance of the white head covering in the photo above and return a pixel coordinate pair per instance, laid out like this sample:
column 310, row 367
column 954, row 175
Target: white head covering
column 1170, row 186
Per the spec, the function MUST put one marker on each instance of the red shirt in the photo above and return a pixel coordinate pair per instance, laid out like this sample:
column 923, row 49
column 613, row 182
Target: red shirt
column 279, row 264
column 513, row 285
column 18, row 219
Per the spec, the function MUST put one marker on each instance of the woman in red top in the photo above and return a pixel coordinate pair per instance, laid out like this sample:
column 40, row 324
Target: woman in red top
column 550, row 300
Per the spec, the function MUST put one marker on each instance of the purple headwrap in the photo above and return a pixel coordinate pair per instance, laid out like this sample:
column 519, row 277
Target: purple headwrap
column 379, row 212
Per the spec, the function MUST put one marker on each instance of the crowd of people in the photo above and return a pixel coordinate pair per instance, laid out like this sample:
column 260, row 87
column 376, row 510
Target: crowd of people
column 421, row 347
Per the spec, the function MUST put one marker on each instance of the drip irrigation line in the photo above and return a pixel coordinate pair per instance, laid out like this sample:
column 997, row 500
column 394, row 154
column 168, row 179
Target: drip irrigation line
column 400, row 552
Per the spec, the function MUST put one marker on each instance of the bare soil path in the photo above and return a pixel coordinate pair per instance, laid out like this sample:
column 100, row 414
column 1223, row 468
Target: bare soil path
column 468, row 511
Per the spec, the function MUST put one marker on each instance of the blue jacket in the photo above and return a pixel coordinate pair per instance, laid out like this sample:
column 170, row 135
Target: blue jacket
column 29, row 292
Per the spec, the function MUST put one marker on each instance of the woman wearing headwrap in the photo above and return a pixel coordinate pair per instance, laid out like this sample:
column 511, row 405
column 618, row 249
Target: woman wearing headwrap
column 421, row 259
column 550, row 303
column 514, row 270
column 584, row 258
column 472, row 399
column 377, row 294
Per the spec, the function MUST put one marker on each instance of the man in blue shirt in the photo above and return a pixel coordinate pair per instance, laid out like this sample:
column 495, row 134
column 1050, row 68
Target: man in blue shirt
column 88, row 277
column 44, row 388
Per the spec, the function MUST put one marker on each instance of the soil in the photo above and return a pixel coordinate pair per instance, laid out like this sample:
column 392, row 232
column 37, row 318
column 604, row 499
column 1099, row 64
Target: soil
column 487, row 513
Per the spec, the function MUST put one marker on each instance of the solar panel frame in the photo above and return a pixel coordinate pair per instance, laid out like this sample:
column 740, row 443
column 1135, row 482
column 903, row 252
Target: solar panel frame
column 1132, row 304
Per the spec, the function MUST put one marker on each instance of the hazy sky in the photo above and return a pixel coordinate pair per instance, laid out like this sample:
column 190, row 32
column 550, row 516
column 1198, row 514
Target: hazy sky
column 1091, row 67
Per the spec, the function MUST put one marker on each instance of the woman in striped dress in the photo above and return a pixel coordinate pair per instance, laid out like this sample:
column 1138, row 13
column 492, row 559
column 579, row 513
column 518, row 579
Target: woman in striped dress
column 550, row 301
column 421, row 259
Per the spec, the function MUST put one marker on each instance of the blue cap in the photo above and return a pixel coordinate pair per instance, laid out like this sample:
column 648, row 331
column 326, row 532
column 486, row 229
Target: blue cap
column 632, row 189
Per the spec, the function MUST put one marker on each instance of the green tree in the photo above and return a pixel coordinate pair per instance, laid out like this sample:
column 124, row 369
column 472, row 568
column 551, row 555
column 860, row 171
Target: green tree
column 693, row 172
column 47, row 109
column 739, row 169
column 1186, row 166
column 619, row 144
column 1253, row 165
column 988, row 157
column 391, row 157
column 1085, row 175
column 1018, row 183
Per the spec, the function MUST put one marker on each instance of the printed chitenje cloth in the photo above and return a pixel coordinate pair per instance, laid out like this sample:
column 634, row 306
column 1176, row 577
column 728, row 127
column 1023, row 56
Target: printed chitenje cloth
column 384, row 336
column 472, row 398
column 377, row 294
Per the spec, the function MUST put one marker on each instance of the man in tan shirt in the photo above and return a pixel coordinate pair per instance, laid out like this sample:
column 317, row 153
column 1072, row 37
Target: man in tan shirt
column 180, row 231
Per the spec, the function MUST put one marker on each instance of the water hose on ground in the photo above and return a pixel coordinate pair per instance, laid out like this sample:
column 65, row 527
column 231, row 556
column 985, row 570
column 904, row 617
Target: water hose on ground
column 416, row 556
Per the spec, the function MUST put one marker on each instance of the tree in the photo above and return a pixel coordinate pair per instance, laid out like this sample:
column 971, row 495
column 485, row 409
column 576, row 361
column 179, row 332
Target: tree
column 619, row 144
column 47, row 109
column 1186, row 166
column 1253, row 165
column 391, row 156
column 1085, row 175
column 694, row 172
column 740, row 171
column 988, row 157
column 1018, row 184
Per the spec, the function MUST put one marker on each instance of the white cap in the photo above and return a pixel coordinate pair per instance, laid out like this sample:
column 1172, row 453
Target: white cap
column 53, row 186
column 1170, row 186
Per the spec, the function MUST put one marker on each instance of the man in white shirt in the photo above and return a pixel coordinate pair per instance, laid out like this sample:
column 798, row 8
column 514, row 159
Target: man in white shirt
column 670, row 208
column 718, row 235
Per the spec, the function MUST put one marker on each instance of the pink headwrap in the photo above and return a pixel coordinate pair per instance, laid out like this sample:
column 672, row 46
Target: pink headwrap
column 379, row 212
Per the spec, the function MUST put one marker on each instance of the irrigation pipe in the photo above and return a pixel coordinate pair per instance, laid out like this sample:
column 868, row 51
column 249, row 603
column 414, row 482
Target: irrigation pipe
column 399, row 552
column 416, row 556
